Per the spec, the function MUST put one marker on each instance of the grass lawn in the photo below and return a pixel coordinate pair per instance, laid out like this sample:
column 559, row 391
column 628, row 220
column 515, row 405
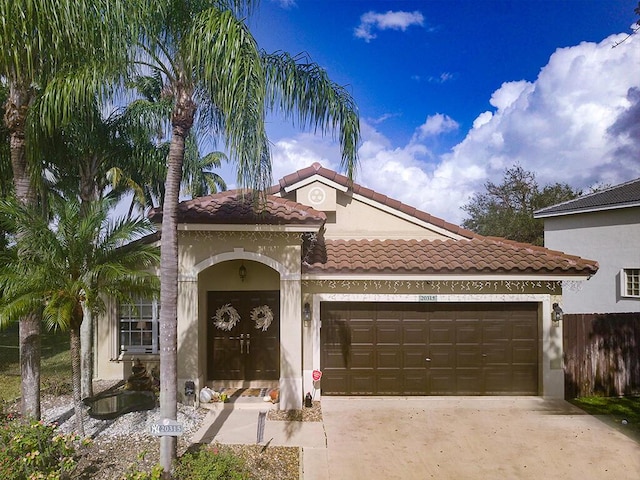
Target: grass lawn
column 56, row 363
column 615, row 411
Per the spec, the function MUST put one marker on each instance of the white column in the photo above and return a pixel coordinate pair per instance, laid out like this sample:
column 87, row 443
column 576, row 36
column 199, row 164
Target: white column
column 189, row 354
column 291, row 393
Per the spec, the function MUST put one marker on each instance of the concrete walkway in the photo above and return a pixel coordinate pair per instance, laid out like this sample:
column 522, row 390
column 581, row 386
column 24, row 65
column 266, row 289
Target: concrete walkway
column 442, row 437
column 238, row 424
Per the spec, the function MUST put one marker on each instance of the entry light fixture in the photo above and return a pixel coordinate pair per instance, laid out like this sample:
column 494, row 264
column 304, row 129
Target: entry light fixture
column 557, row 313
column 242, row 271
column 306, row 314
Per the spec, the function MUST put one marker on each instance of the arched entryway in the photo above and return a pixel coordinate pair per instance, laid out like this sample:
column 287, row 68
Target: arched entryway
column 242, row 314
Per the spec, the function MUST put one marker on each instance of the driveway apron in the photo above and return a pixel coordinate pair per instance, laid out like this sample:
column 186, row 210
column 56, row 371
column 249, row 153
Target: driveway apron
column 472, row 438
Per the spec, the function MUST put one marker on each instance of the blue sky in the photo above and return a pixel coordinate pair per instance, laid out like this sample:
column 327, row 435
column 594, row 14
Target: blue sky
column 452, row 92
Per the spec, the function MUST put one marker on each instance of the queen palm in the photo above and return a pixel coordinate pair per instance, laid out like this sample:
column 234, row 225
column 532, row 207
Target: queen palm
column 214, row 72
column 69, row 265
column 52, row 53
column 81, row 154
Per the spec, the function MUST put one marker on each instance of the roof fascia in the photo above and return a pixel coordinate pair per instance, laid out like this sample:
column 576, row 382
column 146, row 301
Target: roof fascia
column 443, row 277
column 230, row 227
column 585, row 210
column 315, row 178
column 407, row 217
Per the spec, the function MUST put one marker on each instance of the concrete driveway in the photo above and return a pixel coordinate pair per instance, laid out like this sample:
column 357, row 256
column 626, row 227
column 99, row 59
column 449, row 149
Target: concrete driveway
column 471, row 438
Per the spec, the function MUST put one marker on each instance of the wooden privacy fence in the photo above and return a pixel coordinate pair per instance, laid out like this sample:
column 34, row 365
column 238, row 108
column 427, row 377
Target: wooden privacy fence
column 601, row 354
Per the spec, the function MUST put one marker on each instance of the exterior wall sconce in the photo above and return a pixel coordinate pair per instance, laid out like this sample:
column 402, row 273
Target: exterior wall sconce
column 556, row 314
column 306, row 314
column 242, row 271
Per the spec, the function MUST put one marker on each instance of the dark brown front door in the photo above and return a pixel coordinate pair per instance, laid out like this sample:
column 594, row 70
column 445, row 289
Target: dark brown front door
column 429, row 348
column 250, row 350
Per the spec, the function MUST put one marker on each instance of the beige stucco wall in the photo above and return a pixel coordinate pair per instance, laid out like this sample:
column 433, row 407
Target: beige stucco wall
column 352, row 218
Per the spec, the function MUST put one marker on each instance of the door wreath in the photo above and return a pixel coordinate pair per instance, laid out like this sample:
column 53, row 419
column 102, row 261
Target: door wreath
column 262, row 316
column 226, row 317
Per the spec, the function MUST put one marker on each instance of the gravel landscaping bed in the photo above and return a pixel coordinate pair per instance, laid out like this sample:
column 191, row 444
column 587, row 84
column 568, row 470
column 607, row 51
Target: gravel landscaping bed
column 125, row 443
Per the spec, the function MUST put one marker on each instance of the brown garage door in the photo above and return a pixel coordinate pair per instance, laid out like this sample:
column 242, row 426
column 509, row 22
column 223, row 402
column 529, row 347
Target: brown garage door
column 429, row 348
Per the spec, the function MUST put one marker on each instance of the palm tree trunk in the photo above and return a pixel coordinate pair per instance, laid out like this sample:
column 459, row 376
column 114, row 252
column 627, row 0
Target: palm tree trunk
column 86, row 353
column 75, row 377
column 30, row 328
column 88, row 194
column 182, row 120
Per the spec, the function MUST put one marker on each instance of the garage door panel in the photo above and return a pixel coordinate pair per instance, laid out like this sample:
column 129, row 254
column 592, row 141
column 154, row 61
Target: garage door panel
column 361, row 333
column 441, row 356
column 389, row 383
column 363, row 383
column 524, row 331
column 334, row 359
column 389, row 333
column 497, row 354
column 522, row 378
column 362, row 358
column 468, row 333
column 474, row 349
column 468, row 381
column 442, row 382
column 388, row 358
column 414, row 333
column 414, row 358
column 525, row 352
column 495, row 332
column 468, row 356
column 441, row 333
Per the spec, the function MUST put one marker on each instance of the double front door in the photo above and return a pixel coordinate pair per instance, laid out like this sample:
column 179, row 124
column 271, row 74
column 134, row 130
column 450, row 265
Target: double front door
column 243, row 335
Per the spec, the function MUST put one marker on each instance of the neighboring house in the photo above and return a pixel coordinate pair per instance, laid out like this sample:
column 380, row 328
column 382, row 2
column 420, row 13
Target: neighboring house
column 602, row 329
column 604, row 226
column 382, row 298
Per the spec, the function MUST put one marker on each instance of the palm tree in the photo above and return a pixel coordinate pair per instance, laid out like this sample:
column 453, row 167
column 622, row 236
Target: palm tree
column 52, row 54
column 214, row 72
column 198, row 177
column 67, row 266
column 81, row 155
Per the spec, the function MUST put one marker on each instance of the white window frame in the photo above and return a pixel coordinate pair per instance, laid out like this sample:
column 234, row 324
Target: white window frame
column 630, row 282
column 131, row 316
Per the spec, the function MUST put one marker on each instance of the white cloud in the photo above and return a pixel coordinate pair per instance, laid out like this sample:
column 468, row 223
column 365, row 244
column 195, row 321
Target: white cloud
column 435, row 125
column 578, row 123
column 370, row 22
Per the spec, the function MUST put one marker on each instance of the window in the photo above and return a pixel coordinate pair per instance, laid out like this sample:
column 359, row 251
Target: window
column 139, row 327
column 631, row 282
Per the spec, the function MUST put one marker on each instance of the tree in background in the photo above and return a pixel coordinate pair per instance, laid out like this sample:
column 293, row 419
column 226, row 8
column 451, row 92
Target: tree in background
column 506, row 210
column 66, row 266
column 52, row 54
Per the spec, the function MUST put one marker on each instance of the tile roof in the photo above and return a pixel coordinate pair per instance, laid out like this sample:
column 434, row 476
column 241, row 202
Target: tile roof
column 237, row 207
column 317, row 169
column 620, row 196
column 480, row 255
column 474, row 254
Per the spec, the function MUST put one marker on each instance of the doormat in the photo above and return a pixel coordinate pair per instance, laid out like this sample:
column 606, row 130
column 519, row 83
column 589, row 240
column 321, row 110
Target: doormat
column 244, row 392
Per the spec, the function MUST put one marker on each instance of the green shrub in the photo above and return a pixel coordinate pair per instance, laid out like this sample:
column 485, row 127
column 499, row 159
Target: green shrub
column 34, row 451
column 212, row 464
column 156, row 474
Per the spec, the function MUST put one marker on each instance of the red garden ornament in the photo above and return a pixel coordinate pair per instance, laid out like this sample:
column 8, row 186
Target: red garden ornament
column 317, row 375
